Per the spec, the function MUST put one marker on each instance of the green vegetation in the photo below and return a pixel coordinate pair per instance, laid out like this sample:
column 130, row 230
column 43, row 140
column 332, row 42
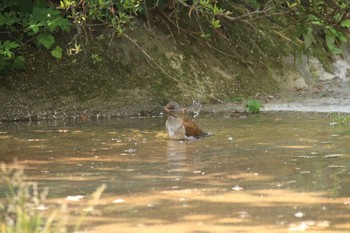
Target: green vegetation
column 340, row 119
column 253, row 106
column 22, row 207
column 252, row 25
column 23, row 23
column 8, row 60
column 96, row 58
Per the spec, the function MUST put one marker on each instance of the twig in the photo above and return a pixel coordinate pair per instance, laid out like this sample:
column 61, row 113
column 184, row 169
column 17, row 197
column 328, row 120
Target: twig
column 110, row 41
column 149, row 57
column 171, row 33
column 146, row 13
column 195, row 8
column 240, row 59
column 298, row 42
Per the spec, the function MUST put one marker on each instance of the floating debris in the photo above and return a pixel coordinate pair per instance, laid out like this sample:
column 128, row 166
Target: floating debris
column 307, row 156
column 130, row 150
column 197, row 172
column 333, row 155
column 299, row 214
column 36, row 140
column 298, row 227
column 243, row 214
column 75, row 198
column 119, row 200
column 150, row 205
column 335, row 166
column 303, row 226
column 42, row 207
column 62, row 130
column 237, row 188
column 116, row 139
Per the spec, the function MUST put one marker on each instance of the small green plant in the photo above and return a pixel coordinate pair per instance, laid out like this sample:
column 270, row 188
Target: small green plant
column 253, row 106
column 8, row 59
column 340, row 119
column 96, row 58
column 22, row 204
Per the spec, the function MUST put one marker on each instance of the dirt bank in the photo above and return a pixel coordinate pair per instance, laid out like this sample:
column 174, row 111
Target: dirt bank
column 102, row 75
column 333, row 96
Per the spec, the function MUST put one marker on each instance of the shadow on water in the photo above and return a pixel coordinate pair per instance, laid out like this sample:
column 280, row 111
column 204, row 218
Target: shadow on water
column 266, row 173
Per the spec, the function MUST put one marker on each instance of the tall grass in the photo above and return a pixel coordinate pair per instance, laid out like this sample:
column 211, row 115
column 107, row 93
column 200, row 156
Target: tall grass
column 22, row 205
column 340, row 119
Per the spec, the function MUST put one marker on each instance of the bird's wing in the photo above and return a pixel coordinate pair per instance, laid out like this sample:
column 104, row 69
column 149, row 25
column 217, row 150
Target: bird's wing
column 192, row 128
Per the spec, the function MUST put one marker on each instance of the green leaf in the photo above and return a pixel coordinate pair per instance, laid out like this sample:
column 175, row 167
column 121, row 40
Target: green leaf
column 315, row 20
column 57, row 52
column 292, row 4
column 332, row 30
column 330, row 38
column 6, row 47
column 46, row 39
column 64, row 25
column 336, row 51
column 308, row 37
column 215, row 23
column 7, row 53
column 345, row 23
column 34, row 27
column 330, row 42
column 342, row 37
column 19, row 63
column 2, row 20
column 205, row 36
column 217, row 10
column 10, row 45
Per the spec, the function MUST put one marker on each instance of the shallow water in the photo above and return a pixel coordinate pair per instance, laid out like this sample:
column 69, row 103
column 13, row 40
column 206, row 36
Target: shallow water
column 273, row 172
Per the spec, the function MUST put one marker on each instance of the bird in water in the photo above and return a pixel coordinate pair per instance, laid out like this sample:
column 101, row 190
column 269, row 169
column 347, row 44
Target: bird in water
column 178, row 125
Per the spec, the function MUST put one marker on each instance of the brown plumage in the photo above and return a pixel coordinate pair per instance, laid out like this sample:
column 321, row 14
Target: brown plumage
column 178, row 125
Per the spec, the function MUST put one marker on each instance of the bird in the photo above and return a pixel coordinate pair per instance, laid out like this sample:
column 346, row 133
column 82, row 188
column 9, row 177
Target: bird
column 178, row 125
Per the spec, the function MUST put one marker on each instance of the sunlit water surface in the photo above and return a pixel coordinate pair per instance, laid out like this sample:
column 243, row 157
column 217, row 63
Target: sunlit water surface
column 271, row 172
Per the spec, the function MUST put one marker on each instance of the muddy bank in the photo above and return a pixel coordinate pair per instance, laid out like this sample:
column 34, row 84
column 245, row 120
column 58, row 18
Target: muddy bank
column 102, row 75
column 136, row 74
column 324, row 97
column 331, row 95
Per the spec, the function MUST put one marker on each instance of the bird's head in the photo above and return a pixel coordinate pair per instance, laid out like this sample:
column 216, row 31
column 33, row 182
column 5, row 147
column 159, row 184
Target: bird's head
column 173, row 109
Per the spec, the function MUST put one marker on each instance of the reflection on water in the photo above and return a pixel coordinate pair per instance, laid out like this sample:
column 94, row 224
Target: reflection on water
column 266, row 173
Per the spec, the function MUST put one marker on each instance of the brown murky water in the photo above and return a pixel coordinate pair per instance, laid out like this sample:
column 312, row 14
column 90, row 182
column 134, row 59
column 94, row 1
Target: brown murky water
column 271, row 172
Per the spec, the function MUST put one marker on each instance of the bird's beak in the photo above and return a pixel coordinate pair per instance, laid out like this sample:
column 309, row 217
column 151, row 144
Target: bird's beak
column 166, row 109
column 169, row 112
